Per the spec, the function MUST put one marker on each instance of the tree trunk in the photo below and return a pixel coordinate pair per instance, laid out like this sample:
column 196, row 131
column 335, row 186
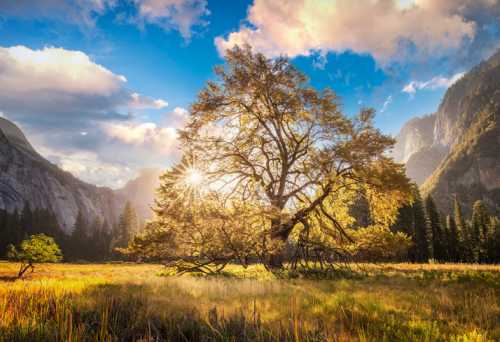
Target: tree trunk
column 24, row 268
column 277, row 254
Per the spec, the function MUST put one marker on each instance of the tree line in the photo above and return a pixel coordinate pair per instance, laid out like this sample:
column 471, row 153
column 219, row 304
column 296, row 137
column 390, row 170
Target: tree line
column 88, row 240
column 449, row 238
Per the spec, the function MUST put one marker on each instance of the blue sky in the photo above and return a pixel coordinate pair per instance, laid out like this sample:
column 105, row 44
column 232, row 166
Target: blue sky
column 95, row 76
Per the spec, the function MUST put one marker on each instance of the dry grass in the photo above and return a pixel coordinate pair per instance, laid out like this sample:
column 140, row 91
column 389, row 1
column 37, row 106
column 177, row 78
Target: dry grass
column 126, row 302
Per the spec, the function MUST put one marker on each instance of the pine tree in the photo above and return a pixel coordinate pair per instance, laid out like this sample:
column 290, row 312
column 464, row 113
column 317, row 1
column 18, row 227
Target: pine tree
column 464, row 242
column 405, row 223
column 434, row 226
column 445, row 237
column 495, row 241
column 26, row 221
column 492, row 242
column 421, row 237
column 479, row 225
column 453, row 240
column 127, row 227
column 79, row 239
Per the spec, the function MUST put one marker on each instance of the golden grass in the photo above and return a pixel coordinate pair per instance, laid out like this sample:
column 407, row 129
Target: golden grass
column 128, row 302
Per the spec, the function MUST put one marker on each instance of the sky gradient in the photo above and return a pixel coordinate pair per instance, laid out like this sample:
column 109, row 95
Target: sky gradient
column 100, row 86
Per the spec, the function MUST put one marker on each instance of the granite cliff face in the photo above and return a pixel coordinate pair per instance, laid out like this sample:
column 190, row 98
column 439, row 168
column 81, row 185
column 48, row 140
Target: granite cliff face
column 462, row 157
column 415, row 135
column 25, row 176
column 415, row 147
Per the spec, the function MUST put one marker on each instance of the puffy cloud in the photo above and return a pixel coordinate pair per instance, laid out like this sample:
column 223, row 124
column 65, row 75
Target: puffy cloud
column 141, row 102
column 388, row 30
column 434, row 83
column 63, row 101
column 54, row 69
column 149, row 135
column 146, row 134
column 88, row 166
column 54, row 81
column 181, row 15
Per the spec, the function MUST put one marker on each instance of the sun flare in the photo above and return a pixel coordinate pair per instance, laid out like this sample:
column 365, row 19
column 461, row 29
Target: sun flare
column 194, row 177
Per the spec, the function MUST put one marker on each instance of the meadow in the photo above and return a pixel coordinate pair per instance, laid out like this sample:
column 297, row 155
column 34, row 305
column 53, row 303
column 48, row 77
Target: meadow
column 142, row 302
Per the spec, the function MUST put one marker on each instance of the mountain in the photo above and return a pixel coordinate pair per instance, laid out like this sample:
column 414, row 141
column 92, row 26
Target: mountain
column 414, row 147
column 141, row 191
column 26, row 177
column 462, row 156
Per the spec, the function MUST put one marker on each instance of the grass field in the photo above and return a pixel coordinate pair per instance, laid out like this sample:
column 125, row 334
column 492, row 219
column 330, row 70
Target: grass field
column 127, row 302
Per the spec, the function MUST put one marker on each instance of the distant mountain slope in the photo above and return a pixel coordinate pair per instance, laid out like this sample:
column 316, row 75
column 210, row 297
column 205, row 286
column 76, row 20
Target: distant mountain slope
column 472, row 169
column 25, row 176
column 414, row 147
column 463, row 156
column 415, row 135
column 141, row 191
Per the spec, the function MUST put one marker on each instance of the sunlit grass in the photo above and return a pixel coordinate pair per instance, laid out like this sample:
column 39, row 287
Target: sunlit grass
column 126, row 302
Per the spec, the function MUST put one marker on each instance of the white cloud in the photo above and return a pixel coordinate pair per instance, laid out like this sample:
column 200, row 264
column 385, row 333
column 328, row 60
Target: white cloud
column 54, row 79
column 181, row 15
column 146, row 134
column 386, row 104
column 64, row 102
column 160, row 138
column 88, row 166
column 388, row 30
column 432, row 84
column 26, row 71
column 140, row 102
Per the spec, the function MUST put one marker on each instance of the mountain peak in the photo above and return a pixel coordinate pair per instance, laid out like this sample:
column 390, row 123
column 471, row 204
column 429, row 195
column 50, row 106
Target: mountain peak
column 14, row 134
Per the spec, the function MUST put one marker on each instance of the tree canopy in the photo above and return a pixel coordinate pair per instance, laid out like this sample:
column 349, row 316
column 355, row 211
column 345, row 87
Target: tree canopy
column 267, row 159
column 36, row 249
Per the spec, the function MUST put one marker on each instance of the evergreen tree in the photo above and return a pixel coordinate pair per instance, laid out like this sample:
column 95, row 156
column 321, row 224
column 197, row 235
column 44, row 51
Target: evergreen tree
column 494, row 250
column 479, row 224
column 79, row 239
column 445, row 237
column 421, row 238
column 127, row 227
column 405, row 223
column 434, row 226
column 453, row 240
column 26, row 221
column 464, row 242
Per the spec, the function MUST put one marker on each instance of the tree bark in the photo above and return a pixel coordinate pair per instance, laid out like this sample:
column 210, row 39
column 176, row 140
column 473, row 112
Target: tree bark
column 24, row 268
column 278, row 236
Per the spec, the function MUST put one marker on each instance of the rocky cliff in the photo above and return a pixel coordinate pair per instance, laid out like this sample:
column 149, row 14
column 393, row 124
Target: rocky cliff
column 415, row 147
column 415, row 135
column 462, row 157
column 25, row 176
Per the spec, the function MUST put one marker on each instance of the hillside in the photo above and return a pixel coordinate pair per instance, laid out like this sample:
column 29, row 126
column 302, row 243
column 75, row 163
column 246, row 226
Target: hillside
column 141, row 191
column 26, row 177
column 462, row 157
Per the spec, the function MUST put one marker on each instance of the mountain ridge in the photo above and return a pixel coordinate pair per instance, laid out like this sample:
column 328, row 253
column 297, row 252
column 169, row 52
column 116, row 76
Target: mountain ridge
column 27, row 177
column 462, row 158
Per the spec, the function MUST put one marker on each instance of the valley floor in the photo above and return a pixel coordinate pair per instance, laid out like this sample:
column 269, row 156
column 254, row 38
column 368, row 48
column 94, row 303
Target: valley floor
column 131, row 302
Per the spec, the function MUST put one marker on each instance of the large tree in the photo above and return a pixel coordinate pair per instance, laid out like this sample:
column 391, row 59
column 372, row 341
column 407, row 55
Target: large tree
column 263, row 141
